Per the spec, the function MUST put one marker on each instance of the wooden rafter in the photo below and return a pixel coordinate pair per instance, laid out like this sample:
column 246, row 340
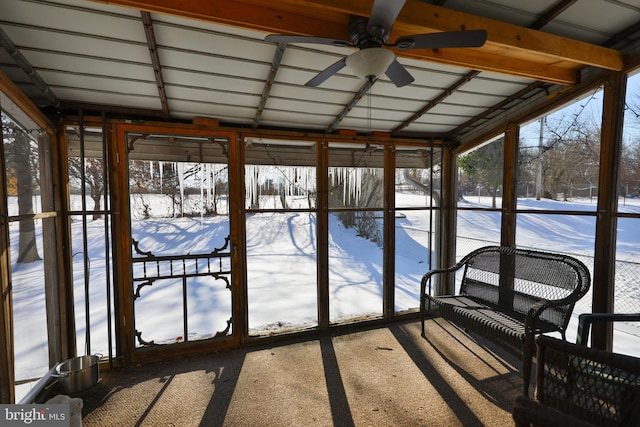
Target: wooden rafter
column 275, row 65
column 552, row 13
column 510, row 49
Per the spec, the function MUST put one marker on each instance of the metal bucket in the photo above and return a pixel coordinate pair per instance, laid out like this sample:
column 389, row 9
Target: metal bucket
column 78, row 373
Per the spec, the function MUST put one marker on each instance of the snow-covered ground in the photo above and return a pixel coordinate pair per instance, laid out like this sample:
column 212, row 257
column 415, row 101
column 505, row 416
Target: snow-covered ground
column 281, row 272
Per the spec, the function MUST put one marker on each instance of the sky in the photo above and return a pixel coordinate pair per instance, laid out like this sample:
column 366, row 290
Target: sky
column 588, row 108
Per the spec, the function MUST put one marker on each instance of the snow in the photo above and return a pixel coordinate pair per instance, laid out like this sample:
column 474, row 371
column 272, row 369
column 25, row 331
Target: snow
column 281, row 272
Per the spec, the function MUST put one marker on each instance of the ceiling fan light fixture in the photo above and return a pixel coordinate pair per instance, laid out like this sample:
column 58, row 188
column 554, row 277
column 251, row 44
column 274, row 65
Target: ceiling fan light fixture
column 370, row 62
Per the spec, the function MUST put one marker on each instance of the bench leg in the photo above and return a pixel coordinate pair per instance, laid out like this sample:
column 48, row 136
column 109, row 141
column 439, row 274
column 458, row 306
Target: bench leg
column 422, row 315
column 526, row 374
column 527, row 363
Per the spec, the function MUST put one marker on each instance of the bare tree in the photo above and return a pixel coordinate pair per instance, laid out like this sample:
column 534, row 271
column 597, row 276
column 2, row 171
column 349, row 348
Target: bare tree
column 484, row 167
column 572, row 157
column 19, row 156
column 630, row 169
column 93, row 173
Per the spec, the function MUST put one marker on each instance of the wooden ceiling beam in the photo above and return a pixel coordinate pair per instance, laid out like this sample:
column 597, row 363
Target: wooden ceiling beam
column 510, row 49
column 420, row 17
column 270, row 17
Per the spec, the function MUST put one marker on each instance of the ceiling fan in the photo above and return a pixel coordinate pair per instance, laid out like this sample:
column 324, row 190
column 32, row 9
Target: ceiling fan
column 372, row 60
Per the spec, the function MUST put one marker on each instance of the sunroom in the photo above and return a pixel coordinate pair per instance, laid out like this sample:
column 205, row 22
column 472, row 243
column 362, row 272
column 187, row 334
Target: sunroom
column 175, row 182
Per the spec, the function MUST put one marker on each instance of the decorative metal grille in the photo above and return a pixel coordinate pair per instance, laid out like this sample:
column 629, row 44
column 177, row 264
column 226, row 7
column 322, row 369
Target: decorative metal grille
column 149, row 268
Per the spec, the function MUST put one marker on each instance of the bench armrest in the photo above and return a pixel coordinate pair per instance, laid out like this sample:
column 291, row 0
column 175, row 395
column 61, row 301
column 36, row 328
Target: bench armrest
column 427, row 277
column 586, row 319
column 534, row 314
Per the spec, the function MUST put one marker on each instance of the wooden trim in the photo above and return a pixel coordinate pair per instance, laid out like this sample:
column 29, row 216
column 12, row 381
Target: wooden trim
column 7, row 377
column 121, row 242
column 51, row 255
column 23, row 103
column 118, row 172
column 172, row 351
column 64, row 245
column 297, row 135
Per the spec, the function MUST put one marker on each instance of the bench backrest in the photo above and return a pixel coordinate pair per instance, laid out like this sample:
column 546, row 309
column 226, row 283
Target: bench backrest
column 592, row 385
column 514, row 279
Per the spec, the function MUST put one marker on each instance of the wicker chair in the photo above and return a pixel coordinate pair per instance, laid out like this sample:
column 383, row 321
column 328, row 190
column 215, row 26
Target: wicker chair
column 581, row 386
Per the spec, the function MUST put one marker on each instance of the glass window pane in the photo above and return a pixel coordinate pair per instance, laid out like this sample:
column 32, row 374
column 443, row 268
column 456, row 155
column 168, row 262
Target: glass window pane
column 629, row 189
column 480, row 197
column 280, row 174
column 29, row 262
column 626, row 335
column 475, row 229
column 572, row 235
column 355, row 176
column 281, row 271
column 355, row 231
column 91, row 248
column 480, row 176
column 355, row 267
column 417, row 201
column 29, row 306
column 559, row 158
column 281, row 236
column 558, row 172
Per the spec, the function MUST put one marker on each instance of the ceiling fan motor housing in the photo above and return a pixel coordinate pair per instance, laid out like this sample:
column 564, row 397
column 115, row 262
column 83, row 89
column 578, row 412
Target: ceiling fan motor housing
column 365, row 38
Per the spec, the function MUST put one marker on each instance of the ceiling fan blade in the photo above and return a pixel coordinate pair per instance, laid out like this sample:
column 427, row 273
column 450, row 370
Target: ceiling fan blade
column 472, row 38
column 326, row 73
column 398, row 74
column 287, row 38
column 384, row 14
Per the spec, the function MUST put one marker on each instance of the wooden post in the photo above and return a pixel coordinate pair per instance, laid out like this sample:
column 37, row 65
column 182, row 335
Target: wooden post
column 448, row 218
column 389, row 247
column 606, row 223
column 322, row 230
column 238, row 232
column 509, row 186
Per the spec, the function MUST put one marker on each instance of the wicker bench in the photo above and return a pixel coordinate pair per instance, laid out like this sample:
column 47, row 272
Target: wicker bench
column 581, row 386
column 510, row 295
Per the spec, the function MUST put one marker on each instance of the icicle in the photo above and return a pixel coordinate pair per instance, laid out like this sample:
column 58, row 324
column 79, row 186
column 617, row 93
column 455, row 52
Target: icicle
column 250, row 183
column 202, row 201
column 180, row 169
column 209, row 179
column 213, row 176
column 345, row 188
